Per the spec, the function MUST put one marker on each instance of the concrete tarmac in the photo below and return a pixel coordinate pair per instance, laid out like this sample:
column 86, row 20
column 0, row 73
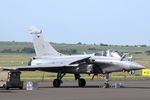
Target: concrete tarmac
column 132, row 90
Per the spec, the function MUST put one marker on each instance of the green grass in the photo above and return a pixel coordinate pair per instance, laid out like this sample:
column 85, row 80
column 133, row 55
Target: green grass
column 44, row 76
column 14, row 59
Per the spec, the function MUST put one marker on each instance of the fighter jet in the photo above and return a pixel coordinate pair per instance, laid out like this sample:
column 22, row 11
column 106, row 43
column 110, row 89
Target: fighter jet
column 49, row 60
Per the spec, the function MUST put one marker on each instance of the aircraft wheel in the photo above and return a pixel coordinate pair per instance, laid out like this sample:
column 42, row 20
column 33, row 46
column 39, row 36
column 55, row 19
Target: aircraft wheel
column 107, row 85
column 81, row 82
column 5, row 87
column 56, row 83
column 20, row 88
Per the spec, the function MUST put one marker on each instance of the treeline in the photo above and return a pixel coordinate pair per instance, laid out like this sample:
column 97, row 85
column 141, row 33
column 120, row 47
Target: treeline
column 102, row 44
column 63, row 51
column 69, row 51
column 24, row 50
column 31, row 50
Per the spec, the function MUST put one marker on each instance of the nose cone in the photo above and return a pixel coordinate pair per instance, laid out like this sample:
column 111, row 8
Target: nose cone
column 136, row 66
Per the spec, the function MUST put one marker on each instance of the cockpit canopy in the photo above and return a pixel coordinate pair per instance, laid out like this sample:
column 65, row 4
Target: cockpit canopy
column 109, row 53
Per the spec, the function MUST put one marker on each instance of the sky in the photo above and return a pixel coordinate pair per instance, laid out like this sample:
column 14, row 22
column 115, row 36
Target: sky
column 117, row 22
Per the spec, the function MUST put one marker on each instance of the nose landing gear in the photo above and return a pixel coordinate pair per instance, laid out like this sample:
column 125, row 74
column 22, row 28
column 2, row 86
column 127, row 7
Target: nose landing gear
column 106, row 84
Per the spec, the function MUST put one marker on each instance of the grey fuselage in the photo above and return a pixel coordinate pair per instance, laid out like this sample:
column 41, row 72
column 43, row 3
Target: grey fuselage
column 95, row 64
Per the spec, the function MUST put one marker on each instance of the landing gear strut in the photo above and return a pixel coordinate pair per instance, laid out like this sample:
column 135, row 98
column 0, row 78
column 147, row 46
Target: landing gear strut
column 57, row 82
column 106, row 77
column 81, row 81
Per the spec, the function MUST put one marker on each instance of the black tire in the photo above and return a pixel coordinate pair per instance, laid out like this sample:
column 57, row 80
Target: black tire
column 20, row 88
column 107, row 85
column 56, row 83
column 81, row 82
column 5, row 87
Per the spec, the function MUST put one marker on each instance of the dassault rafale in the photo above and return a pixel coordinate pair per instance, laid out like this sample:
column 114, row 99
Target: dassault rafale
column 49, row 60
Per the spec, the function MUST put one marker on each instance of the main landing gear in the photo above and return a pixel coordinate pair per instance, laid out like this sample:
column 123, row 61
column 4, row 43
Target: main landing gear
column 57, row 82
column 81, row 81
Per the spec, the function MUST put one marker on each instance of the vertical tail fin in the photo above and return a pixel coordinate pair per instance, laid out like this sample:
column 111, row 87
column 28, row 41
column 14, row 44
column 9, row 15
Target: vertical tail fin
column 41, row 46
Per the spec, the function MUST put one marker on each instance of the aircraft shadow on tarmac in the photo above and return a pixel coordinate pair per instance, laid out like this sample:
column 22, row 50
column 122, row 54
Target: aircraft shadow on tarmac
column 91, row 86
column 77, row 87
column 6, row 91
column 11, row 90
